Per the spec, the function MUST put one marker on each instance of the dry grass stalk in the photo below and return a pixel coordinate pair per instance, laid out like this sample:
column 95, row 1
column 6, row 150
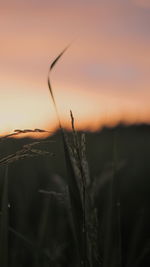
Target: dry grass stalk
column 17, row 132
column 78, row 181
column 28, row 151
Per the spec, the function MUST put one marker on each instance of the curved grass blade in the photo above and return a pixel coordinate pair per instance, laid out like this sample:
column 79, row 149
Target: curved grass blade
column 49, row 83
column 58, row 57
column 74, row 191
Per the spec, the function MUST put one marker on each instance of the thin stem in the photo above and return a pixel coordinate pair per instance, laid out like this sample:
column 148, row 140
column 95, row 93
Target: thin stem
column 77, row 145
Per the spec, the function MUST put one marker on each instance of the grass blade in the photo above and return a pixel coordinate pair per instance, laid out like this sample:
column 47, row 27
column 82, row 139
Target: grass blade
column 75, row 196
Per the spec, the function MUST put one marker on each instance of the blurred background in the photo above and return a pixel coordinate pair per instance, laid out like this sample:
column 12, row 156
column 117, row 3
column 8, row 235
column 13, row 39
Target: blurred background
column 104, row 76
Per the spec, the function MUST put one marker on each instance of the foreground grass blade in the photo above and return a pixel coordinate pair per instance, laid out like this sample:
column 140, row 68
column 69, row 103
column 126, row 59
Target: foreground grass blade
column 73, row 183
column 59, row 56
column 75, row 196
column 49, row 84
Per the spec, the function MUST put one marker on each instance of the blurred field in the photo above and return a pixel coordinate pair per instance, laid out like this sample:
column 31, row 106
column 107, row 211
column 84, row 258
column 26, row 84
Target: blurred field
column 39, row 206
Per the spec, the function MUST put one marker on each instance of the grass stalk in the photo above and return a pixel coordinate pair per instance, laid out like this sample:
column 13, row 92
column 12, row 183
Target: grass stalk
column 77, row 200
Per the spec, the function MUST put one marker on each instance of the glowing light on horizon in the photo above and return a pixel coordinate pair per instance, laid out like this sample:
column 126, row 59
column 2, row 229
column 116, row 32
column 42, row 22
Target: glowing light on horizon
column 91, row 110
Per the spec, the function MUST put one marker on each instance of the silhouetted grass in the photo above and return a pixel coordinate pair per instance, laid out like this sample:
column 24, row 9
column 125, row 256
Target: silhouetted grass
column 27, row 151
column 78, row 180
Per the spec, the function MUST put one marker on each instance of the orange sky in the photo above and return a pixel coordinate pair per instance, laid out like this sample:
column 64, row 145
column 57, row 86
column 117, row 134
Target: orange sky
column 103, row 78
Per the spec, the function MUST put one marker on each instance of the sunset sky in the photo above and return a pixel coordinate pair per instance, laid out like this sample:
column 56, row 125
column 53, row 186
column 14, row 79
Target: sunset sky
column 104, row 77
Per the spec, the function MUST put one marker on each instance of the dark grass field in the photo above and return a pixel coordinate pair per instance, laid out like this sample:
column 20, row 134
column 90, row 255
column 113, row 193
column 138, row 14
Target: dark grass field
column 41, row 229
